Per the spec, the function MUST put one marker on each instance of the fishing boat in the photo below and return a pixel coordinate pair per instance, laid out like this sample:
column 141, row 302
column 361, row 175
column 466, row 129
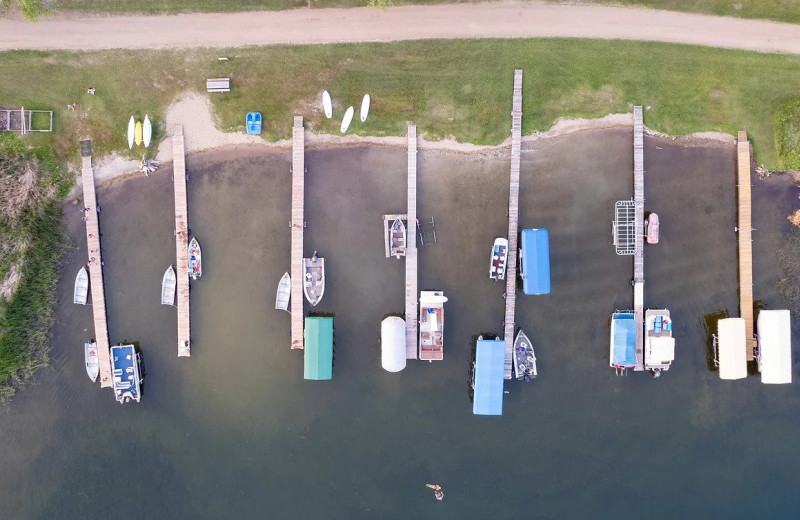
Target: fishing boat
column 253, row 123
column 431, row 325
column 92, row 362
column 147, row 131
column 81, row 287
column 131, row 131
column 327, row 106
column 348, row 118
column 497, row 264
column 138, row 133
column 524, row 358
column 284, row 292
column 651, row 224
column 126, row 370
column 365, row 107
column 195, row 260
column 659, row 348
column 314, row 283
column 398, row 244
column 168, row 287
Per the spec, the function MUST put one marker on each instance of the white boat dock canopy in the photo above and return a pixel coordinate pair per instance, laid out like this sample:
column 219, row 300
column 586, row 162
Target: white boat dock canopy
column 393, row 344
column 660, row 351
column 731, row 348
column 775, row 347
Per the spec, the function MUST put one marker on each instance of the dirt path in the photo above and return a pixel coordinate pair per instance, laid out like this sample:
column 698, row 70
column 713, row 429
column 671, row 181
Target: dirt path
column 503, row 20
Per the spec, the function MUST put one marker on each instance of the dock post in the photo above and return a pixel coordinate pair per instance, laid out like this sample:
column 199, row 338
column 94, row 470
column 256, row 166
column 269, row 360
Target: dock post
column 91, row 217
column 412, row 304
column 745, row 241
column 513, row 222
column 298, row 226
column 638, row 256
column 181, row 240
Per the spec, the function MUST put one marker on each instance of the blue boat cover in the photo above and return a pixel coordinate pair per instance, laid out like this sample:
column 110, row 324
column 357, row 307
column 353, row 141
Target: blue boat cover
column 253, row 123
column 318, row 353
column 624, row 347
column 490, row 358
column 535, row 265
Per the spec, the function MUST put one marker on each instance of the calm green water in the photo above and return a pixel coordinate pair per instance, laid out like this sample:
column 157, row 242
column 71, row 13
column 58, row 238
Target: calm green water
column 235, row 431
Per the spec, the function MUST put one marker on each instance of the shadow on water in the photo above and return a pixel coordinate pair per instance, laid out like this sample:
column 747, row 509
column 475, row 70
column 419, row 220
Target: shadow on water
column 710, row 323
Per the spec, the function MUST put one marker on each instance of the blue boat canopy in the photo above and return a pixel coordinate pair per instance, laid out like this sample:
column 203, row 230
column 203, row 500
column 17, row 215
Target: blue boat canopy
column 318, row 352
column 490, row 358
column 535, row 261
column 623, row 340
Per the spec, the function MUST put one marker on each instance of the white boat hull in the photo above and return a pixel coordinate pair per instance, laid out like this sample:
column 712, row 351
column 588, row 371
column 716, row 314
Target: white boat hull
column 168, row 283
column 195, row 260
column 81, row 287
column 147, row 131
column 284, row 293
column 327, row 106
column 348, row 118
column 92, row 361
column 131, row 131
column 365, row 107
column 314, row 279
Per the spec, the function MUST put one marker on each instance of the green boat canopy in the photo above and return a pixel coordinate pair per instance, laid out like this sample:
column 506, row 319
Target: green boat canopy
column 318, row 356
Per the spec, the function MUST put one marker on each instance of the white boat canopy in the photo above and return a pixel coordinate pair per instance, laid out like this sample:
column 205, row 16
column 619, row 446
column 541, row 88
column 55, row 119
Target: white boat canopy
column 660, row 350
column 775, row 347
column 731, row 348
column 393, row 344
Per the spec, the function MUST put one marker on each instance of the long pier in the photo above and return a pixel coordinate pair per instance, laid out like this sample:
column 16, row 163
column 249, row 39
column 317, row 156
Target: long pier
column 513, row 222
column 91, row 217
column 412, row 293
column 298, row 226
column 181, row 240
column 638, row 255
column 745, row 229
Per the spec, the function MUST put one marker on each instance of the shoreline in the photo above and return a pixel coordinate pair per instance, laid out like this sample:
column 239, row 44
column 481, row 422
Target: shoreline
column 194, row 111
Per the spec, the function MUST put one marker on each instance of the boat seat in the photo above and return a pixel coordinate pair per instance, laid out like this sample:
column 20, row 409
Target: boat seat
column 117, row 371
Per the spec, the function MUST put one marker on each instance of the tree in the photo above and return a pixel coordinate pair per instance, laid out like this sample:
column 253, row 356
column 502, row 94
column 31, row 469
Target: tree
column 30, row 9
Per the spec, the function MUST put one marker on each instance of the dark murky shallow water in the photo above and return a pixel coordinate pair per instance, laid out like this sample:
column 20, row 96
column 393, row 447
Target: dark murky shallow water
column 235, row 431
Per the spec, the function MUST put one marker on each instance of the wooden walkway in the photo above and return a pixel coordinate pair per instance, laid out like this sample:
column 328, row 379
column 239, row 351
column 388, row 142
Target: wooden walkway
column 298, row 226
column 638, row 256
column 181, row 240
column 745, row 241
column 513, row 222
column 95, row 262
column 412, row 303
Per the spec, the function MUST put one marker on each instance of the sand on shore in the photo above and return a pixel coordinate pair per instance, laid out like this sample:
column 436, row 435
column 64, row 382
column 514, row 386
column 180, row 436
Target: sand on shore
column 194, row 111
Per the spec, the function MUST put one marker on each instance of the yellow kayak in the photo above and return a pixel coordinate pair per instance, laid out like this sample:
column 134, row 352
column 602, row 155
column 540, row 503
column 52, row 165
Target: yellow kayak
column 138, row 133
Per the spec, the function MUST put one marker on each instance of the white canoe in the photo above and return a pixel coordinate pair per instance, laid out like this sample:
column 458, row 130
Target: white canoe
column 195, row 260
column 131, row 130
column 81, row 287
column 348, row 118
column 364, row 108
column 92, row 363
column 168, row 287
column 284, row 292
column 327, row 106
column 147, row 132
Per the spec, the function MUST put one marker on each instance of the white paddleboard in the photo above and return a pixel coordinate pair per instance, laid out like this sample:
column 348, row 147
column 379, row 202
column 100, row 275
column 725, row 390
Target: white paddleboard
column 131, row 128
column 326, row 104
column 348, row 117
column 147, row 132
column 365, row 108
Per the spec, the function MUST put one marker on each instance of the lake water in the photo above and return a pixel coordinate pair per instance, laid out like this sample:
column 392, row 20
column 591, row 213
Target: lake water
column 235, row 431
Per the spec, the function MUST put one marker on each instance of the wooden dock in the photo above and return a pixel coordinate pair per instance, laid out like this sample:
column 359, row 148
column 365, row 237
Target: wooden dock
column 298, row 226
column 638, row 256
column 95, row 261
column 181, row 240
column 513, row 222
column 745, row 229
column 412, row 303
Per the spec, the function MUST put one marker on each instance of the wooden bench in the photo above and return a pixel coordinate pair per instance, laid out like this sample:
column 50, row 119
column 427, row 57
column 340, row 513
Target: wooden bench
column 218, row 85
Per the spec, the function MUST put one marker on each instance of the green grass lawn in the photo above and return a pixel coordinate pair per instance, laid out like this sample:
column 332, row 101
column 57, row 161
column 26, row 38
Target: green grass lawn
column 447, row 88
column 781, row 10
